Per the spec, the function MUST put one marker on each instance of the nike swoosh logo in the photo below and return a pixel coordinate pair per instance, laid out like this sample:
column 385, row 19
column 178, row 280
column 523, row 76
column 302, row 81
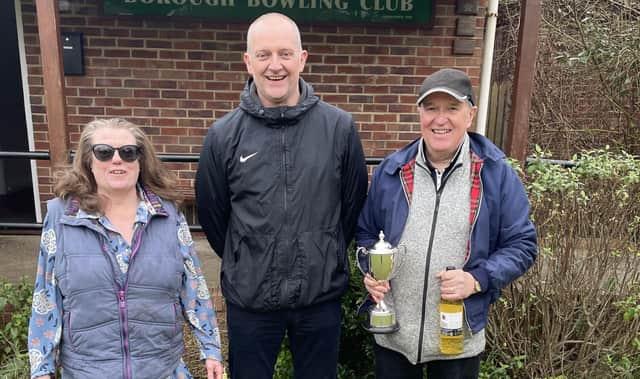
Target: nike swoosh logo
column 244, row 159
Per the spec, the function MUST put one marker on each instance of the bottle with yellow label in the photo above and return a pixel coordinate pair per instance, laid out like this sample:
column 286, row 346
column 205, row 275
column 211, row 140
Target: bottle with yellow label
column 451, row 330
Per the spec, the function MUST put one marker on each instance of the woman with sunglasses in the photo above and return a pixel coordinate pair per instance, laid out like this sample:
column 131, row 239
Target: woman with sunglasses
column 117, row 271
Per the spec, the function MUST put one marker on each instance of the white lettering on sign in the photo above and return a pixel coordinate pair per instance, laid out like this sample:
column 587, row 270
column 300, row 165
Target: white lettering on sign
column 387, row 5
column 302, row 4
column 212, row 3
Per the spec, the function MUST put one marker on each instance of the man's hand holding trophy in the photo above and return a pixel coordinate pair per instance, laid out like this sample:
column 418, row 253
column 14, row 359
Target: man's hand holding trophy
column 380, row 263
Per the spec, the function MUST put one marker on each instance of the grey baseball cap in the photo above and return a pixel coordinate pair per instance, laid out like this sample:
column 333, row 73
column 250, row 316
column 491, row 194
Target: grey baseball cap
column 453, row 82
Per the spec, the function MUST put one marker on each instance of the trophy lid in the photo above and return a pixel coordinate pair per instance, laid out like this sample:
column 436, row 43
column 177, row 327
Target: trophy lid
column 382, row 246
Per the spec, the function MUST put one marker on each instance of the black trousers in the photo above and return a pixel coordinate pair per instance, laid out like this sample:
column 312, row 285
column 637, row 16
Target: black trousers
column 393, row 365
column 255, row 340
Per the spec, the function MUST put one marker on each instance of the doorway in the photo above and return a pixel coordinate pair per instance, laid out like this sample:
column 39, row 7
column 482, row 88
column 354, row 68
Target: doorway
column 16, row 181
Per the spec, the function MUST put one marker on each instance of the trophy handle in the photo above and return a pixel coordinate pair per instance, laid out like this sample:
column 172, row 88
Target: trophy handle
column 398, row 259
column 361, row 253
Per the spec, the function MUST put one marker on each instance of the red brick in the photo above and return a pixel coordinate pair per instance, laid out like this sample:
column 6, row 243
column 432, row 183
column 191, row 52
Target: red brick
column 174, row 94
column 186, row 45
column 201, row 113
column 401, row 108
column 163, row 84
column 146, row 112
column 344, row 69
column 79, row 81
column 200, row 55
column 385, row 117
column 191, row 85
column 226, row 95
column 104, row 101
column 173, row 74
column 146, row 93
column 101, row 42
column 141, row 53
column 200, row 95
column 172, row 54
column 401, row 70
column 144, row 33
column 403, row 89
column 164, row 103
column 104, row 82
column 116, row 53
column 116, row 32
column 145, row 73
column 217, row 66
column 164, row 139
column 117, row 72
column 125, row 42
column 192, row 123
column 119, row 92
column 134, row 63
column 163, row 64
column 173, row 113
column 188, row 65
column 336, row 59
column 91, row 110
column 137, row 83
column 190, row 104
column 91, row 92
column 121, row 112
column 199, row 132
column 157, row 44
column 390, row 60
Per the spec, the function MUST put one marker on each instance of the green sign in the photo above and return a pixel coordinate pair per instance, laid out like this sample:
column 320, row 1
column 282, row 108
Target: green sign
column 353, row 11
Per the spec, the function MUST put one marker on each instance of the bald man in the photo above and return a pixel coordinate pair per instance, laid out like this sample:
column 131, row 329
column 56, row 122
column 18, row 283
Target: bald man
column 279, row 187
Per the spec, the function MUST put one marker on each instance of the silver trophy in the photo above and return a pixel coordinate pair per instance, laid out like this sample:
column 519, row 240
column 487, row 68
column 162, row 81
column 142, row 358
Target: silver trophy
column 383, row 262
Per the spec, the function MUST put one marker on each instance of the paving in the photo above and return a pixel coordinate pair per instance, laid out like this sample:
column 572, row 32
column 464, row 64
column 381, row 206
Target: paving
column 19, row 257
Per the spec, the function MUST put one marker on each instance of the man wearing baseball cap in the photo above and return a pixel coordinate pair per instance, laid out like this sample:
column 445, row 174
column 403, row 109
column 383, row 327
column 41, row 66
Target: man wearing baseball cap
column 451, row 200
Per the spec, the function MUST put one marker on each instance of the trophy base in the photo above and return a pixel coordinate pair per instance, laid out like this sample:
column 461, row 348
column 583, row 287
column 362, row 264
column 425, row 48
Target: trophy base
column 381, row 322
column 381, row 329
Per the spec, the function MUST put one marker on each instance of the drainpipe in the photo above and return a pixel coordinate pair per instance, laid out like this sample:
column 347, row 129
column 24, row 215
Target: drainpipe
column 487, row 62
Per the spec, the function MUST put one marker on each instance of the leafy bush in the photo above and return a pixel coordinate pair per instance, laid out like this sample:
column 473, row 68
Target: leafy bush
column 576, row 312
column 15, row 310
column 284, row 363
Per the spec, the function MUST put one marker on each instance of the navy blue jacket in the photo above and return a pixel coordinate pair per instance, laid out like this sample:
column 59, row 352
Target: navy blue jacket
column 503, row 239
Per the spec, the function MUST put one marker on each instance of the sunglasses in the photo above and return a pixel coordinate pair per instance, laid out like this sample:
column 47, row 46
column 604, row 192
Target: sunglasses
column 104, row 152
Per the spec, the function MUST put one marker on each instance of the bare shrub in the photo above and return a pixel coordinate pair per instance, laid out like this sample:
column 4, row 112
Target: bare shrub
column 587, row 83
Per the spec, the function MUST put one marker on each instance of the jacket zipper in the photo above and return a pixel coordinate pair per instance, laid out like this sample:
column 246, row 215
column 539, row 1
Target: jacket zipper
column 440, row 183
column 122, row 297
column 122, row 300
column 284, row 170
column 125, row 334
column 284, row 188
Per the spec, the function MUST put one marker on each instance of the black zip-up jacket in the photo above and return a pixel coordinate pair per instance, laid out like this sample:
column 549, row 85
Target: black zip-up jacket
column 278, row 192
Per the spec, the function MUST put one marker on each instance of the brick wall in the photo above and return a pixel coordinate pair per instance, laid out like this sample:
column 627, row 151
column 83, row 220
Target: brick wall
column 175, row 76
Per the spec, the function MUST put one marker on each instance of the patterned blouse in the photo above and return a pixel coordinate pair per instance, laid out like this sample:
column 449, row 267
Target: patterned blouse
column 45, row 326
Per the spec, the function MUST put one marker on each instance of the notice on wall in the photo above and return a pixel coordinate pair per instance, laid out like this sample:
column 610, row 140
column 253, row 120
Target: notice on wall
column 418, row 12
